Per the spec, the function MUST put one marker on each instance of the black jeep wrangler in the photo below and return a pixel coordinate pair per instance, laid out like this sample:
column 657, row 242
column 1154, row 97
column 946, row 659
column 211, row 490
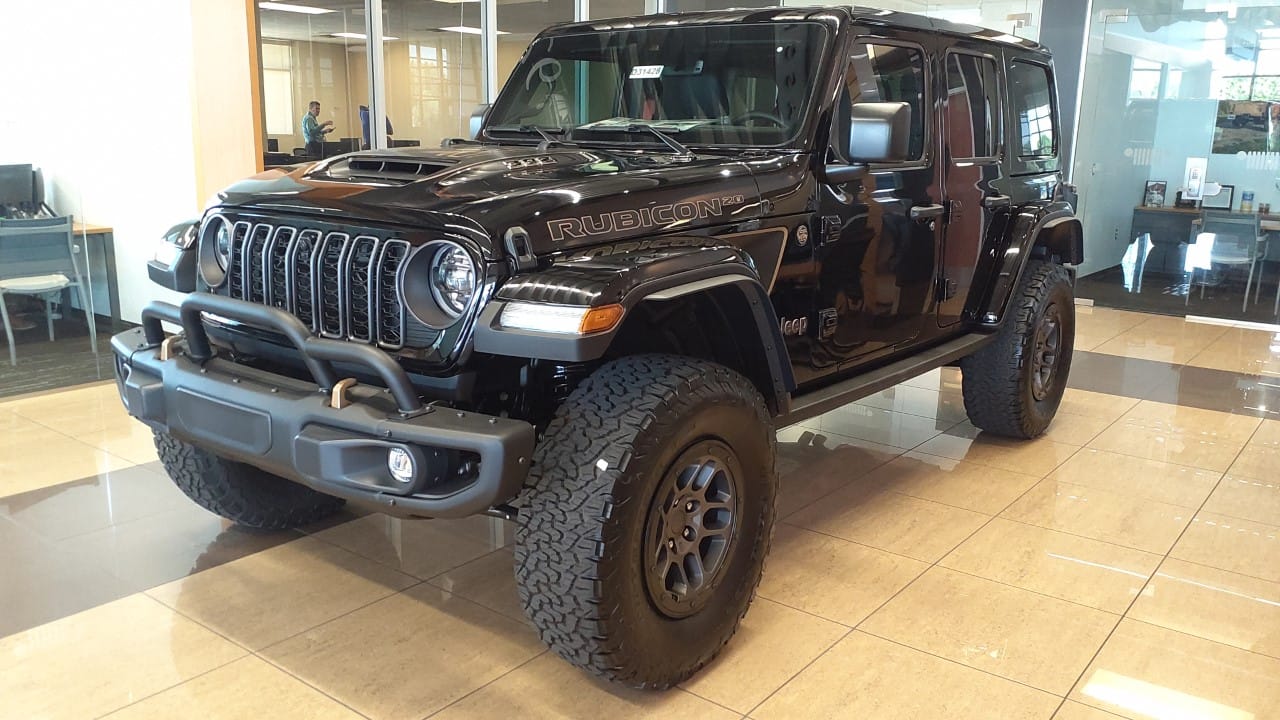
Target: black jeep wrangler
column 671, row 236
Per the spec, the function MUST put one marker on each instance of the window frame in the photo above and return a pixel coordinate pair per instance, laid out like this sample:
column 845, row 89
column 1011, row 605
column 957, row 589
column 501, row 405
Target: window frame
column 999, row 138
column 925, row 160
column 1037, row 159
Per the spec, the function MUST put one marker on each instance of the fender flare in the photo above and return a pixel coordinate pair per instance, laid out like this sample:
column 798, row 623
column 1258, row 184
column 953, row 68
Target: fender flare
column 1051, row 226
column 630, row 279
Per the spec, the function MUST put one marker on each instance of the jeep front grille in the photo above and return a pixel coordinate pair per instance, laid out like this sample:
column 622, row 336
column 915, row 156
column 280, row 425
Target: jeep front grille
column 339, row 285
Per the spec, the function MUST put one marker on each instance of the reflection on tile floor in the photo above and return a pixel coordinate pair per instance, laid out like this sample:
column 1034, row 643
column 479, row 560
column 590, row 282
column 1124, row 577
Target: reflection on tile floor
column 1126, row 564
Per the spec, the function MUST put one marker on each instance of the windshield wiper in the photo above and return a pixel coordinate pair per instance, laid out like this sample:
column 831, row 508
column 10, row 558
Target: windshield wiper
column 547, row 139
column 669, row 141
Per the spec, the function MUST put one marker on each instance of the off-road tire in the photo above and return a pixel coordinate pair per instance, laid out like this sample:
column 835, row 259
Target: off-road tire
column 998, row 380
column 585, row 513
column 241, row 493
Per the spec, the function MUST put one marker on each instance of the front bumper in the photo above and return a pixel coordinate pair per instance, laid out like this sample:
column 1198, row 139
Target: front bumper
column 335, row 441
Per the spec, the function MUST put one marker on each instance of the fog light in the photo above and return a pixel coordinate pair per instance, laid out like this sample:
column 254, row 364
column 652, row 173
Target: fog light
column 400, row 463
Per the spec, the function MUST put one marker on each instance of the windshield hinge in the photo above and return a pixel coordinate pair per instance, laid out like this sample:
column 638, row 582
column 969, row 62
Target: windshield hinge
column 519, row 249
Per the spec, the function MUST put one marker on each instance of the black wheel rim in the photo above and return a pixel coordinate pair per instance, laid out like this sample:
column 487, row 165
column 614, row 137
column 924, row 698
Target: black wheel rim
column 1046, row 353
column 691, row 528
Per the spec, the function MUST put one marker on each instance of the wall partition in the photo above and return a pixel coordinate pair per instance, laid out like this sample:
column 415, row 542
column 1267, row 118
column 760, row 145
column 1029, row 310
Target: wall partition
column 1178, row 158
column 438, row 60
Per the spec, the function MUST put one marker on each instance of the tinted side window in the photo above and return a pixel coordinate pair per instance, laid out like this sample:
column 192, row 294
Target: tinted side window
column 1033, row 110
column 890, row 73
column 973, row 124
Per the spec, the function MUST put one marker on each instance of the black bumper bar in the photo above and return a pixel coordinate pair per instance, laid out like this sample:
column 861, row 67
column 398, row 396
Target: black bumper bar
column 466, row 463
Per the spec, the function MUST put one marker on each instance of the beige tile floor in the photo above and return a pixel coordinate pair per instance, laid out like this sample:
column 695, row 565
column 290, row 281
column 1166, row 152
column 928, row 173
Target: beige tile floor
column 1127, row 564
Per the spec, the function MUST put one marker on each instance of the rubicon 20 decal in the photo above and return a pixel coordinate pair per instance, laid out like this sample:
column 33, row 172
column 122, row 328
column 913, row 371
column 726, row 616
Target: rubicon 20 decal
column 639, row 218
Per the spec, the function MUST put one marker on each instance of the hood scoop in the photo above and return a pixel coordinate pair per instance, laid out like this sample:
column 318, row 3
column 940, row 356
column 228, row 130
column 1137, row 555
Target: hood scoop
column 378, row 169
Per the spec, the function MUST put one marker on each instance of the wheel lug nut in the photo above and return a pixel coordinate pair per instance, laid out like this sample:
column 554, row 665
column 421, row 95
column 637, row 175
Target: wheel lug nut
column 688, row 507
column 671, row 544
column 688, row 533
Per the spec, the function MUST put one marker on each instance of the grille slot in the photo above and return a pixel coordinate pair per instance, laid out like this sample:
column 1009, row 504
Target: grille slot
column 390, row 311
column 301, row 278
column 360, row 270
column 276, row 260
column 339, row 285
column 332, row 285
column 253, row 271
column 235, row 260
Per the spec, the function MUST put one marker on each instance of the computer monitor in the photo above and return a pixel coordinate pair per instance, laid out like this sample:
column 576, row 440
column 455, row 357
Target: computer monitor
column 16, row 185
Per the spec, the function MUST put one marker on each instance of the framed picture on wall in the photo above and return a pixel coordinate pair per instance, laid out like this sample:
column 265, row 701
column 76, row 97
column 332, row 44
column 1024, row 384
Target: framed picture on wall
column 1224, row 200
column 1154, row 193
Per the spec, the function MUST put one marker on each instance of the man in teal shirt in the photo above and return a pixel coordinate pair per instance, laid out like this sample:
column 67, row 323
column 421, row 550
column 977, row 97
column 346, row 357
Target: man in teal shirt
column 313, row 131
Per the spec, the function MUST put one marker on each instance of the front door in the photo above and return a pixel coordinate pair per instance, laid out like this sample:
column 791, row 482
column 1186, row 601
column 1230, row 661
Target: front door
column 971, row 162
column 880, row 234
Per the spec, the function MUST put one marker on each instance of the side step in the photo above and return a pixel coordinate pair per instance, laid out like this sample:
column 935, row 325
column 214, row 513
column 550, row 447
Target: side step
column 829, row 398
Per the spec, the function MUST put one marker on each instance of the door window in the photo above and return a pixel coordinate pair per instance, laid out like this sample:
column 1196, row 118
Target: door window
column 971, row 102
column 891, row 73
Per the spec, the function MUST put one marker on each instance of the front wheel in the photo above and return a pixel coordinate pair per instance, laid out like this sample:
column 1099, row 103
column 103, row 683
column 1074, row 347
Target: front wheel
column 1013, row 386
column 647, row 518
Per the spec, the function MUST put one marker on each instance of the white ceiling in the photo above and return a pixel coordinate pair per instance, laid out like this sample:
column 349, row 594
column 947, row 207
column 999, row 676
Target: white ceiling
column 410, row 19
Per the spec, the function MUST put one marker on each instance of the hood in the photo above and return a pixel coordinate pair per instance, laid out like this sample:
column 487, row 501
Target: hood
column 563, row 197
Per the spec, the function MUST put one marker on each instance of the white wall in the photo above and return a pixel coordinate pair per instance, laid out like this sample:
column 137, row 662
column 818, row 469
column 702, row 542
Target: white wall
column 103, row 105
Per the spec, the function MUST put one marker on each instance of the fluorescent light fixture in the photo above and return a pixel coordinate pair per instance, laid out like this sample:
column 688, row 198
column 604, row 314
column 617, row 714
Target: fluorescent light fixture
column 469, row 30
column 359, row 36
column 287, row 7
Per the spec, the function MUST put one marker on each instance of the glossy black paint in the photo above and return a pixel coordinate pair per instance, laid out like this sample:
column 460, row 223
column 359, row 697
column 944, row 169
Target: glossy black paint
column 909, row 255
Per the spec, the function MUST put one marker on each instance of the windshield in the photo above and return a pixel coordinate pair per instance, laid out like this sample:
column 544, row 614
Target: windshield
column 746, row 84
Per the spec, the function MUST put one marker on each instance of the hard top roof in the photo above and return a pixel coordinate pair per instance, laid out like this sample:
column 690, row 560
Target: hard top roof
column 857, row 13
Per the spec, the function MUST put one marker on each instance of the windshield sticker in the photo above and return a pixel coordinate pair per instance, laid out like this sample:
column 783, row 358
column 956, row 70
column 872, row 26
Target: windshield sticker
column 626, row 123
column 641, row 72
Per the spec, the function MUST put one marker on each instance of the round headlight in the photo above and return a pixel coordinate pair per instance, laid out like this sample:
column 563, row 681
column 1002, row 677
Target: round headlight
column 439, row 283
column 453, row 279
column 222, row 243
column 215, row 248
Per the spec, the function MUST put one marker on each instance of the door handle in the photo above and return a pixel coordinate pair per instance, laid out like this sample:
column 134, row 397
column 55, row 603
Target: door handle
column 924, row 212
column 997, row 202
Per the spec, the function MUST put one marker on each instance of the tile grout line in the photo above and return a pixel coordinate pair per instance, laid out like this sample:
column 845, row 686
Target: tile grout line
column 1193, row 636
column 1125, row 615
column 433, row 713
column 903, row 589
column 247, row 653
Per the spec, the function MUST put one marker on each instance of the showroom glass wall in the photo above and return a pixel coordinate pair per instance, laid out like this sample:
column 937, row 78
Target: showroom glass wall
column 437, row 67
column 1181, row 99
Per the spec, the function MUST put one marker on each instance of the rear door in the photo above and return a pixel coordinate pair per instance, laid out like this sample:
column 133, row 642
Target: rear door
column 972, row 168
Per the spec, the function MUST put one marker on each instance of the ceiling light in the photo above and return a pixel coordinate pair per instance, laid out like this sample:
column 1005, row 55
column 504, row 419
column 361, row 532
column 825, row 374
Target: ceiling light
column 286, row 7
column 359, row 36
column 469, row 30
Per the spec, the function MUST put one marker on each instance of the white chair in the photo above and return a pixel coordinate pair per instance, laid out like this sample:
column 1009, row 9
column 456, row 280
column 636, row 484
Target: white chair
column 38, row 258
column 1230, row 239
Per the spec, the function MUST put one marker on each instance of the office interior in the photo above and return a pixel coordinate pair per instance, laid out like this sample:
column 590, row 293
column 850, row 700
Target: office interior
column 1193, row 88
column 1177, row 161
column 250, row 72
column 1126, row 564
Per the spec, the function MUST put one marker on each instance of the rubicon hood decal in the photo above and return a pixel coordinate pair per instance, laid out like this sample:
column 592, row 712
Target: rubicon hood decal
column 642, row 218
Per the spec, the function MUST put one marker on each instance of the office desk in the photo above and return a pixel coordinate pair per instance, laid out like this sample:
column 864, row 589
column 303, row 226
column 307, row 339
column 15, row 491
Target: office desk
column 104, row 237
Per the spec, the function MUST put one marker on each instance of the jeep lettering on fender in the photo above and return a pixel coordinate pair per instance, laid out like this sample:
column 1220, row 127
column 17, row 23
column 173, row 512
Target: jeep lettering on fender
column 591, row 318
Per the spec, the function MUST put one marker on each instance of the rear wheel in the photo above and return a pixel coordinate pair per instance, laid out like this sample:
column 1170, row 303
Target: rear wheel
column 1013, row 386
column 241, row 493
column 647, row 518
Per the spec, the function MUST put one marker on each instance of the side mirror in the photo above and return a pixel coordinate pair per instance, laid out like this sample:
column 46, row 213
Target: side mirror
column 878, row 133
column 477, row 119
